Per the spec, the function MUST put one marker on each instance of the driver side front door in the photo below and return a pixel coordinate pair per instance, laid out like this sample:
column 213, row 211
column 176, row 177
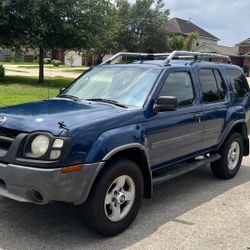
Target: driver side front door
column 176, row 134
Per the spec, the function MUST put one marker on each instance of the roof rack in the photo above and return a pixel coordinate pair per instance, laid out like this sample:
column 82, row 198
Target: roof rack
column 195, row 55
column 142, row 56
column 167, row 57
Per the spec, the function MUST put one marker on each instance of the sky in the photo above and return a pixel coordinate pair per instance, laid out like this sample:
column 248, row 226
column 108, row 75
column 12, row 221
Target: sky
column 228, row 20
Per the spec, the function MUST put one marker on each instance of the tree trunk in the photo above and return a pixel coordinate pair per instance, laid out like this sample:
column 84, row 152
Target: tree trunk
column 41, row 65
column 99, row 58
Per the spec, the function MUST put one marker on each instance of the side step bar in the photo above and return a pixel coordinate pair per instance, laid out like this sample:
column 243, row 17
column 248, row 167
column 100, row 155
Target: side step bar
column 184, row 169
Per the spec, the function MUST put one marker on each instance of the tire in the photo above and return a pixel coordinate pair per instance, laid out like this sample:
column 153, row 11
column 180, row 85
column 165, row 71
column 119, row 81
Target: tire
column 228, row 166
column 105, row 219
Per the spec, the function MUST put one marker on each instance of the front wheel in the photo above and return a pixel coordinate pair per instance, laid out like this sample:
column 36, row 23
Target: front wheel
column 231, row 157
column 115, row 198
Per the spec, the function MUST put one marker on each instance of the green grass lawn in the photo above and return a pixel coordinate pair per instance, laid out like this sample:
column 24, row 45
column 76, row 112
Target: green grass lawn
column 21, row 89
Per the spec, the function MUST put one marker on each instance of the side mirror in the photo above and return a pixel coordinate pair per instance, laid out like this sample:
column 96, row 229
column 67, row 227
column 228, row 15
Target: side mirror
column 61, row 90
column 166, row 103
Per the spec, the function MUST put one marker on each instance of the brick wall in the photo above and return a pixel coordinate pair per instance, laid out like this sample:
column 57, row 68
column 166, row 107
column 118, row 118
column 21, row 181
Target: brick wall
column 244, row 49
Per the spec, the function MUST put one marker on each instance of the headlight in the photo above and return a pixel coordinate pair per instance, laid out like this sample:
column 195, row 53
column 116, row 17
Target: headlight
column 39, row 145
column 43, row 146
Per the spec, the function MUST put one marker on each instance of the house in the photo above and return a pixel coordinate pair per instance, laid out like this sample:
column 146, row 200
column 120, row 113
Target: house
column 178, row 26
column 244, row 52
column 232, row 52
column 28, row 55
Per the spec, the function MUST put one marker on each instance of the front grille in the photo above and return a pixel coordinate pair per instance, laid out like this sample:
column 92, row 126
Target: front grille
column 7, row 136
column 6, row 132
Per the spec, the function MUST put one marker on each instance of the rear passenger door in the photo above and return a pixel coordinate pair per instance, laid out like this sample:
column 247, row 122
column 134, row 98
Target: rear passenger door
column 214, row 104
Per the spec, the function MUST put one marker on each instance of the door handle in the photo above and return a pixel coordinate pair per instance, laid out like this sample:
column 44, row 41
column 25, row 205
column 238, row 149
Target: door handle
column 198, row 116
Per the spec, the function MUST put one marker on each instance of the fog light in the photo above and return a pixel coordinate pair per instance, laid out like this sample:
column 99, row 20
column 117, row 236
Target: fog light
column 55, row 154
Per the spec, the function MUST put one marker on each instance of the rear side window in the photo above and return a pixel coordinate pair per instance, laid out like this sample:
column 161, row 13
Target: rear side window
column 221, row 84
column 239, row 82
column 209, row 87
column 179, row 85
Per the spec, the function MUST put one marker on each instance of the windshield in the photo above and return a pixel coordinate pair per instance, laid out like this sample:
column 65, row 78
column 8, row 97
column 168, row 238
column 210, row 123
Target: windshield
column 126, row 86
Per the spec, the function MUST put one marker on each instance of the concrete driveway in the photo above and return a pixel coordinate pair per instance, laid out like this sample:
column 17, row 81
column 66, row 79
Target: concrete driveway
column 17, row 70
column 195, row 211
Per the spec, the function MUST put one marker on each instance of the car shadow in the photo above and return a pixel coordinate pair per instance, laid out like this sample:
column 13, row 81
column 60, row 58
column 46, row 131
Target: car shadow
column 57, row 226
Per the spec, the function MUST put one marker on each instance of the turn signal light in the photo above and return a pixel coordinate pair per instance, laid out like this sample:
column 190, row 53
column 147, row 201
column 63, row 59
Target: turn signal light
column 70, row 169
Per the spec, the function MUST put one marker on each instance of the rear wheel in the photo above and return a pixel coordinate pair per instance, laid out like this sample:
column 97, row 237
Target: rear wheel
column 231, row 157
column 115, row 199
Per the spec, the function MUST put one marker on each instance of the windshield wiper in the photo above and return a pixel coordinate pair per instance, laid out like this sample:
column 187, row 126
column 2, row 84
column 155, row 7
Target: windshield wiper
column 72, row 97
column 107, row 101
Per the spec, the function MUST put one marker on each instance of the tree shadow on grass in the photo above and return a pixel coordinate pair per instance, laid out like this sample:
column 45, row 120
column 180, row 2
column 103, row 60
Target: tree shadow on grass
column 57, row 226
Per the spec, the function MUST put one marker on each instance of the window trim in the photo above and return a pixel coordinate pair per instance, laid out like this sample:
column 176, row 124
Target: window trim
column 202, row 96
column 227, row 90
column 193, row 87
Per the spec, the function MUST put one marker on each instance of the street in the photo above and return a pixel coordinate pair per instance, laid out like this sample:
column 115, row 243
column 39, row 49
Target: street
column 194, row 211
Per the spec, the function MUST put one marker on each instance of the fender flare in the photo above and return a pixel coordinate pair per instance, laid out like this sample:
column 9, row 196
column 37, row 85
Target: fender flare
column 147, row 182
column 228, row 131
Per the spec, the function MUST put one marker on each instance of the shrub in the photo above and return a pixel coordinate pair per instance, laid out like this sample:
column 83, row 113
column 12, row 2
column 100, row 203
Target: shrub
column 36, row 60
column 47, row 60
column 2, row 72
column 56, row 62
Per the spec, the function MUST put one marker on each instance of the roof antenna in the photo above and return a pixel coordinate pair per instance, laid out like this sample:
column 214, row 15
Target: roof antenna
column 190, row 19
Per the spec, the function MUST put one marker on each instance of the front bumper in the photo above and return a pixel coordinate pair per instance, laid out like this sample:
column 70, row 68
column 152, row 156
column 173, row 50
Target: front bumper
column 41, row 186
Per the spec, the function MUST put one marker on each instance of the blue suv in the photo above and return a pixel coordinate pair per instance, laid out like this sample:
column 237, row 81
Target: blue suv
column 119, row 129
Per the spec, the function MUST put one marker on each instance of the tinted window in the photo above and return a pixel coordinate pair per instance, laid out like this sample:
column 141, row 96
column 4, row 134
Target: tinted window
column 239, row 82
column 179, row 84
column 221, row 84
column 209, row 87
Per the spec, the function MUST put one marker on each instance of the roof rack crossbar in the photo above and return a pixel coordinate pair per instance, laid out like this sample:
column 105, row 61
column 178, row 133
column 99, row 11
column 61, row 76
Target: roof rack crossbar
column 195, row 55
column 168, row 56
column 131, row 54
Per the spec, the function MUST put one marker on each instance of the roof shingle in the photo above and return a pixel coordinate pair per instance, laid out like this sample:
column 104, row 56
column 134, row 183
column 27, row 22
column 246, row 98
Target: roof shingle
column 185, row 27
column 245, row 42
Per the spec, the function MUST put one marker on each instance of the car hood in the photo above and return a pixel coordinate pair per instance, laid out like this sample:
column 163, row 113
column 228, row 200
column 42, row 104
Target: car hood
column 45, row 115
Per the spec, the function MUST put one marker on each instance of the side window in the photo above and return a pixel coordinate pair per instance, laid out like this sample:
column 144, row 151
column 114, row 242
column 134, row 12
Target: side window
column 239, row 82
column 221, row 84
column 209, row 86
column 179, row 84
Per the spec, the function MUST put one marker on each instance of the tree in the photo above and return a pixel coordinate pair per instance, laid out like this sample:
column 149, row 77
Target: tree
column 142, row 25
column 70, row 56
column 189, row 42
column 175, row 43
column 105, row 35
column 182, row 43
column 49, row 24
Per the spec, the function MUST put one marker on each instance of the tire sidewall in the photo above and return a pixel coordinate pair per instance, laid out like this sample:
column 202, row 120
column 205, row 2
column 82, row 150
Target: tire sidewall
column 116, row 169
column 235, row 137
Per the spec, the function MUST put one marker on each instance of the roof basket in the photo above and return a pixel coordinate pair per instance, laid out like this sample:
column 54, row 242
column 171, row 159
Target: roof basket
column 167, row 57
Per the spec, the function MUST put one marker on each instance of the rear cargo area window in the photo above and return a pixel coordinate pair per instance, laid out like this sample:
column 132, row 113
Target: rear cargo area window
column 239, row 82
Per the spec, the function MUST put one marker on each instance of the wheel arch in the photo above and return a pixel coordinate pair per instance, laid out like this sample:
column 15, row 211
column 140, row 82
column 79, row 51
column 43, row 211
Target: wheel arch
column 241, row 128
column 135, row 152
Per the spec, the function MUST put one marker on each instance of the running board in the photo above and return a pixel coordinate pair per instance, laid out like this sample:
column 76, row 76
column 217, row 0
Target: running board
column 184, row 169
